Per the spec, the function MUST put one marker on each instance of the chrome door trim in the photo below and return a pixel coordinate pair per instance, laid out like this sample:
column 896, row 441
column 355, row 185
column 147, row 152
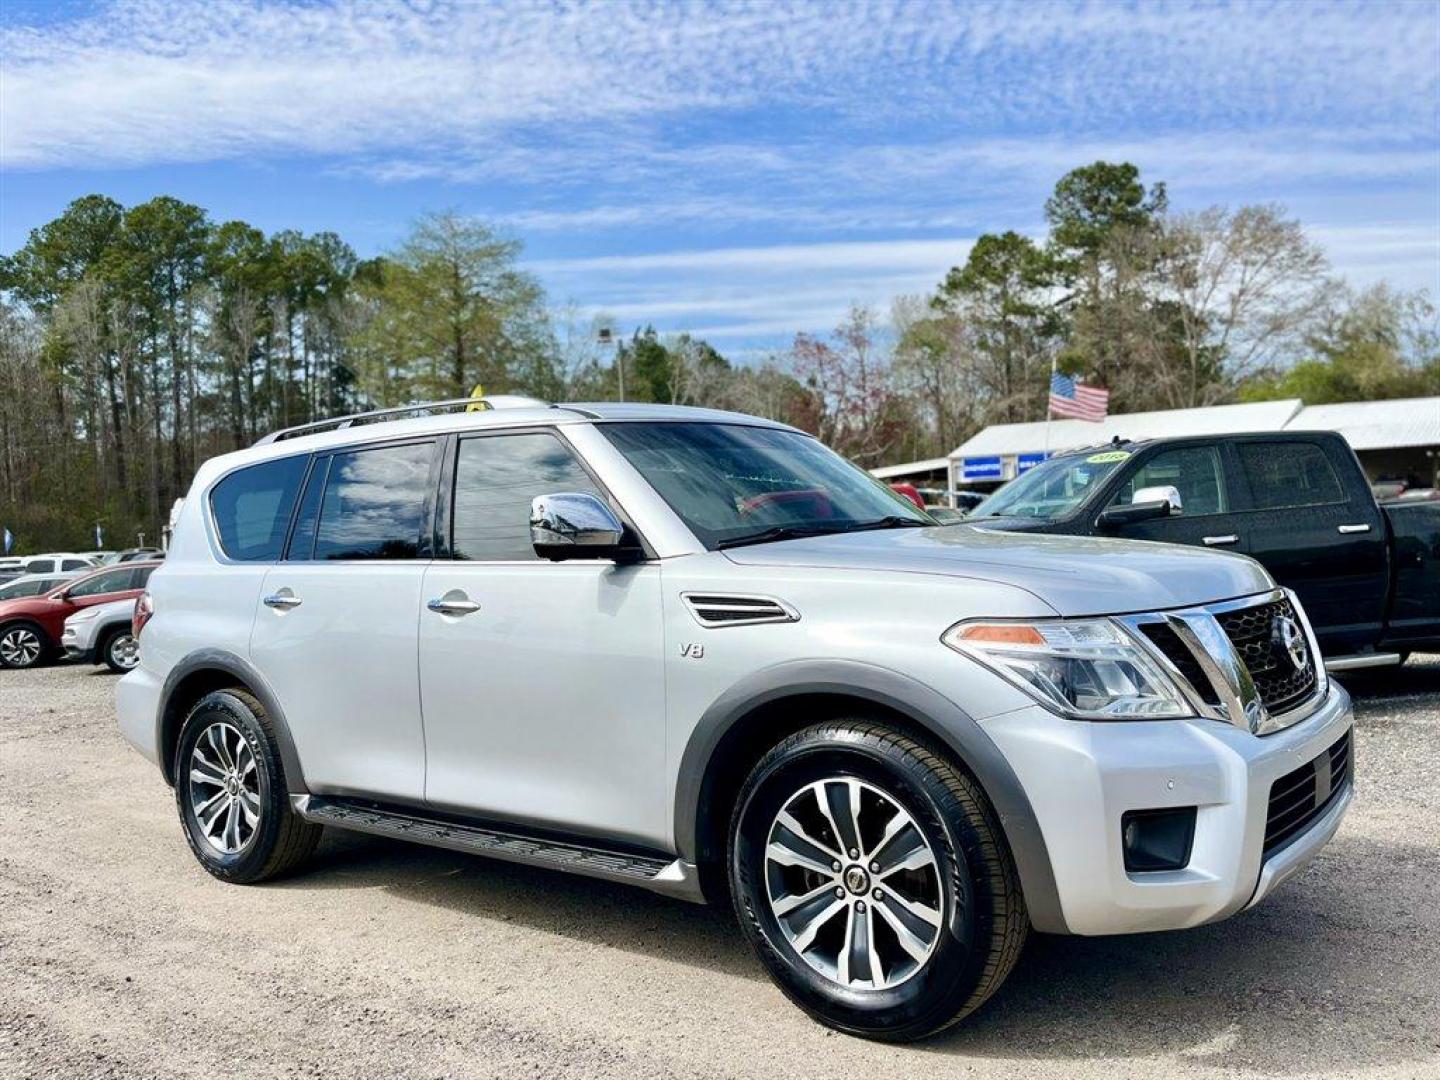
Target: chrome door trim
column 1347, row 530
column 1217, row 541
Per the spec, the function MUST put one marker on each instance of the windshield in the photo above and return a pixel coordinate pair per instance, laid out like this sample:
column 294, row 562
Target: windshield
column 1054, row 488
column 734, row 484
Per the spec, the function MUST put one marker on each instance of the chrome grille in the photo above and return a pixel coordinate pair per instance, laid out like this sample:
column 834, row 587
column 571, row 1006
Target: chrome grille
column 1280, row 685
column 1238, row 661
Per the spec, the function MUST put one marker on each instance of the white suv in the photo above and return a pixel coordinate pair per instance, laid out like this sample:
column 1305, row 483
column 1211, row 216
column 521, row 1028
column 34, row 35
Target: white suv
column 699, row 652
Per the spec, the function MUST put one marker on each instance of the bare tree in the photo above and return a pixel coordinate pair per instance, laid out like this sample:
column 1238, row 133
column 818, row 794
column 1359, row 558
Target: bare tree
column 1248, row 285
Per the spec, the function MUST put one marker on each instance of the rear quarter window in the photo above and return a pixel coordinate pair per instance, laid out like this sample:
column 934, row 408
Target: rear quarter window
column 252, row 508
column 1285, row 474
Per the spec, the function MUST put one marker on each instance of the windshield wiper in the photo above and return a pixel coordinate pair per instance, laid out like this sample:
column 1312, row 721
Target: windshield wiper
column 796, row 532
column 775, row 532
column 889, row 521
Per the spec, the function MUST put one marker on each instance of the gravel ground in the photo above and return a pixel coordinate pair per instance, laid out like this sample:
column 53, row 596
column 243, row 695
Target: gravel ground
column 119, row 957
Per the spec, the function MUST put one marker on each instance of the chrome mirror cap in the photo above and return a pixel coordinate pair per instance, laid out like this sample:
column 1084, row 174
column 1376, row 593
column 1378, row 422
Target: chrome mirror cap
column 574, row 525
column 1163, row 493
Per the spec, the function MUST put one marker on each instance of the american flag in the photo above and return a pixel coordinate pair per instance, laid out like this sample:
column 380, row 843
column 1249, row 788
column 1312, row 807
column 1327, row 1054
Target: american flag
column 1069, row 398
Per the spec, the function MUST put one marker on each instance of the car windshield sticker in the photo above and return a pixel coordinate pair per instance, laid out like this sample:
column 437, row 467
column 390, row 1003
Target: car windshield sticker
column 1107, row 457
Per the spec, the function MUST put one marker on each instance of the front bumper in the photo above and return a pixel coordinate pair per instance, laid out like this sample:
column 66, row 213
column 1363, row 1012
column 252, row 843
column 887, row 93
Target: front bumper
column 1082, row 777
column 77, row 646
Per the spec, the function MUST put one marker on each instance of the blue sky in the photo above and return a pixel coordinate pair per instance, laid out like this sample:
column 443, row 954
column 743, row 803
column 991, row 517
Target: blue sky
column 740, row 170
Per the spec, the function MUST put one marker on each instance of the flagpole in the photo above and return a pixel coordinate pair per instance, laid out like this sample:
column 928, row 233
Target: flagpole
column 1054, row 366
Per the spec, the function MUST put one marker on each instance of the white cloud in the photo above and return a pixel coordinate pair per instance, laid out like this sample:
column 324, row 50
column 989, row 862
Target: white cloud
column 146, row 81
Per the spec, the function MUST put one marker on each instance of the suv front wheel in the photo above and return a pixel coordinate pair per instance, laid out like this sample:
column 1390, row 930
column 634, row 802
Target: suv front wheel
column 871, row 877
column 231, row 793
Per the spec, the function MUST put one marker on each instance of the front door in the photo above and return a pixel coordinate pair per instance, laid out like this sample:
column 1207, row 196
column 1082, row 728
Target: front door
column 542, row 682
column 1207, row 515
column 335, row 630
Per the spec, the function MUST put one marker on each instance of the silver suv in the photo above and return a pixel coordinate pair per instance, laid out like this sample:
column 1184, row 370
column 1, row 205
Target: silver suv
column 700, row 653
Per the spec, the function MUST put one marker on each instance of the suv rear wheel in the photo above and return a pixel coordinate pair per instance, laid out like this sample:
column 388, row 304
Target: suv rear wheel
column 23, row 645
column 231, row 793
column 871, row 878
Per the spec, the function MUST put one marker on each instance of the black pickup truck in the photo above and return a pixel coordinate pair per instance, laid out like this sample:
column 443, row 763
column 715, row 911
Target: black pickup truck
column 1368, row 576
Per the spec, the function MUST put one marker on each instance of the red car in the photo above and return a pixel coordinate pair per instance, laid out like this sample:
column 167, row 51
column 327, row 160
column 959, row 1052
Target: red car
column 30, row 626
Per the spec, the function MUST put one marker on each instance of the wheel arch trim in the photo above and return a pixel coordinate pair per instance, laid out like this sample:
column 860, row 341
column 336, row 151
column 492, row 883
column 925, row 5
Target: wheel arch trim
column 168, row 717
column 925, row 708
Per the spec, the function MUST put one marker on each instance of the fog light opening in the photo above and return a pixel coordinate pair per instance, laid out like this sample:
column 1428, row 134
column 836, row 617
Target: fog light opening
column 1155, row 840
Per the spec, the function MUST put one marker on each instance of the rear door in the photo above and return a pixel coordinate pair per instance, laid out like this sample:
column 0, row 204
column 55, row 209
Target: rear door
column 335, row 625
column 1200, row 472
column 1316, row 537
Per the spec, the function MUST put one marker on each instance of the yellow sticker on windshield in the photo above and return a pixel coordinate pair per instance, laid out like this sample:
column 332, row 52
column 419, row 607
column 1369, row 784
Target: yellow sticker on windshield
column 1107, row 457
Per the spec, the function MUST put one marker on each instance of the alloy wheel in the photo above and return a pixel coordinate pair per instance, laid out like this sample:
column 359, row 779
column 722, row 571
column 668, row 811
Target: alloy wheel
column 853, row 884
column 20, row 647
column 125, row 651
column 224, row 788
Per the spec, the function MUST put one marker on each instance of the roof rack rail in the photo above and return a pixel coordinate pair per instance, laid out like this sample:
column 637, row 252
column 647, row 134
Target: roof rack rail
column 339, row 423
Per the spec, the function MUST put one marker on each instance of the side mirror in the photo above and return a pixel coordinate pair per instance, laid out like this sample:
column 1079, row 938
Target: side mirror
column 1147, row 504
column 575, row 525
column 1166, row 493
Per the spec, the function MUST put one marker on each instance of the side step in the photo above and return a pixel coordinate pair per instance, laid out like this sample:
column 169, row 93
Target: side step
column 1361, row 660
column 673, row 878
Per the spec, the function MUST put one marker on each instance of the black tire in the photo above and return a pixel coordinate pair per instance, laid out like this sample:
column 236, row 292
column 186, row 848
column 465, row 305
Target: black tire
column 982, row 915
column 112, row 650
column 280, row 840
column 15, row 650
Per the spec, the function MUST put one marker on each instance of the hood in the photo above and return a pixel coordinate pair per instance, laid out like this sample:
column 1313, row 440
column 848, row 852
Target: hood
column 1075, row 575
column 26, row 605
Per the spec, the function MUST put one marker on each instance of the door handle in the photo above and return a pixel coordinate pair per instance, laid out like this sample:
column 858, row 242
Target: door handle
column 453, row 607
column 1219, row 541
column 282, row 601
column 1346, row 530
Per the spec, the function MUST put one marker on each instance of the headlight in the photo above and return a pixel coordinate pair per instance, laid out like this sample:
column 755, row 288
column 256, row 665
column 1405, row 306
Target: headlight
column 1087, row 669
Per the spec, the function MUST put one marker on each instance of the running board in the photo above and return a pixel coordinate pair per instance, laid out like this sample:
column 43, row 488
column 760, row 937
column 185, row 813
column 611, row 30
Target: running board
column 1361, row 660
column 675, row 878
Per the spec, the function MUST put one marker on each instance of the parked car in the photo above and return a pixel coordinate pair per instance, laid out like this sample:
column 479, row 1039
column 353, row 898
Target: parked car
column 54, row 563
column 34, row 584
column 699, row 652
column 58, row 562
column 134, row 554
column 1368, row 574
column 103, row 634
column 30, row 627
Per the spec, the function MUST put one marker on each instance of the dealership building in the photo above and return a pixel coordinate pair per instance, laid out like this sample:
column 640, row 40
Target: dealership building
column 1395, row 440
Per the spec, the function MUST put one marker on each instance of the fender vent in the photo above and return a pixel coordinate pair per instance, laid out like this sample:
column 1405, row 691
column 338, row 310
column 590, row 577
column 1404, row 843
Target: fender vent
column 724, row 610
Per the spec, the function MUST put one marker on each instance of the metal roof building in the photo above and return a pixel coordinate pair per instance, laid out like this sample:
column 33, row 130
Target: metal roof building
column 1397, row 438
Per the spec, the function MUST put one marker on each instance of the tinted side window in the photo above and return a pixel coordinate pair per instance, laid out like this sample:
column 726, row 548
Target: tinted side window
column 40, row 566
column 252, row 508
column 374, row 503
column 142, row 577
column 1289, row 474
column 302, row 540
column 75, row 564
column 1194, row 471
column 100, row 584
column 496, row 478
